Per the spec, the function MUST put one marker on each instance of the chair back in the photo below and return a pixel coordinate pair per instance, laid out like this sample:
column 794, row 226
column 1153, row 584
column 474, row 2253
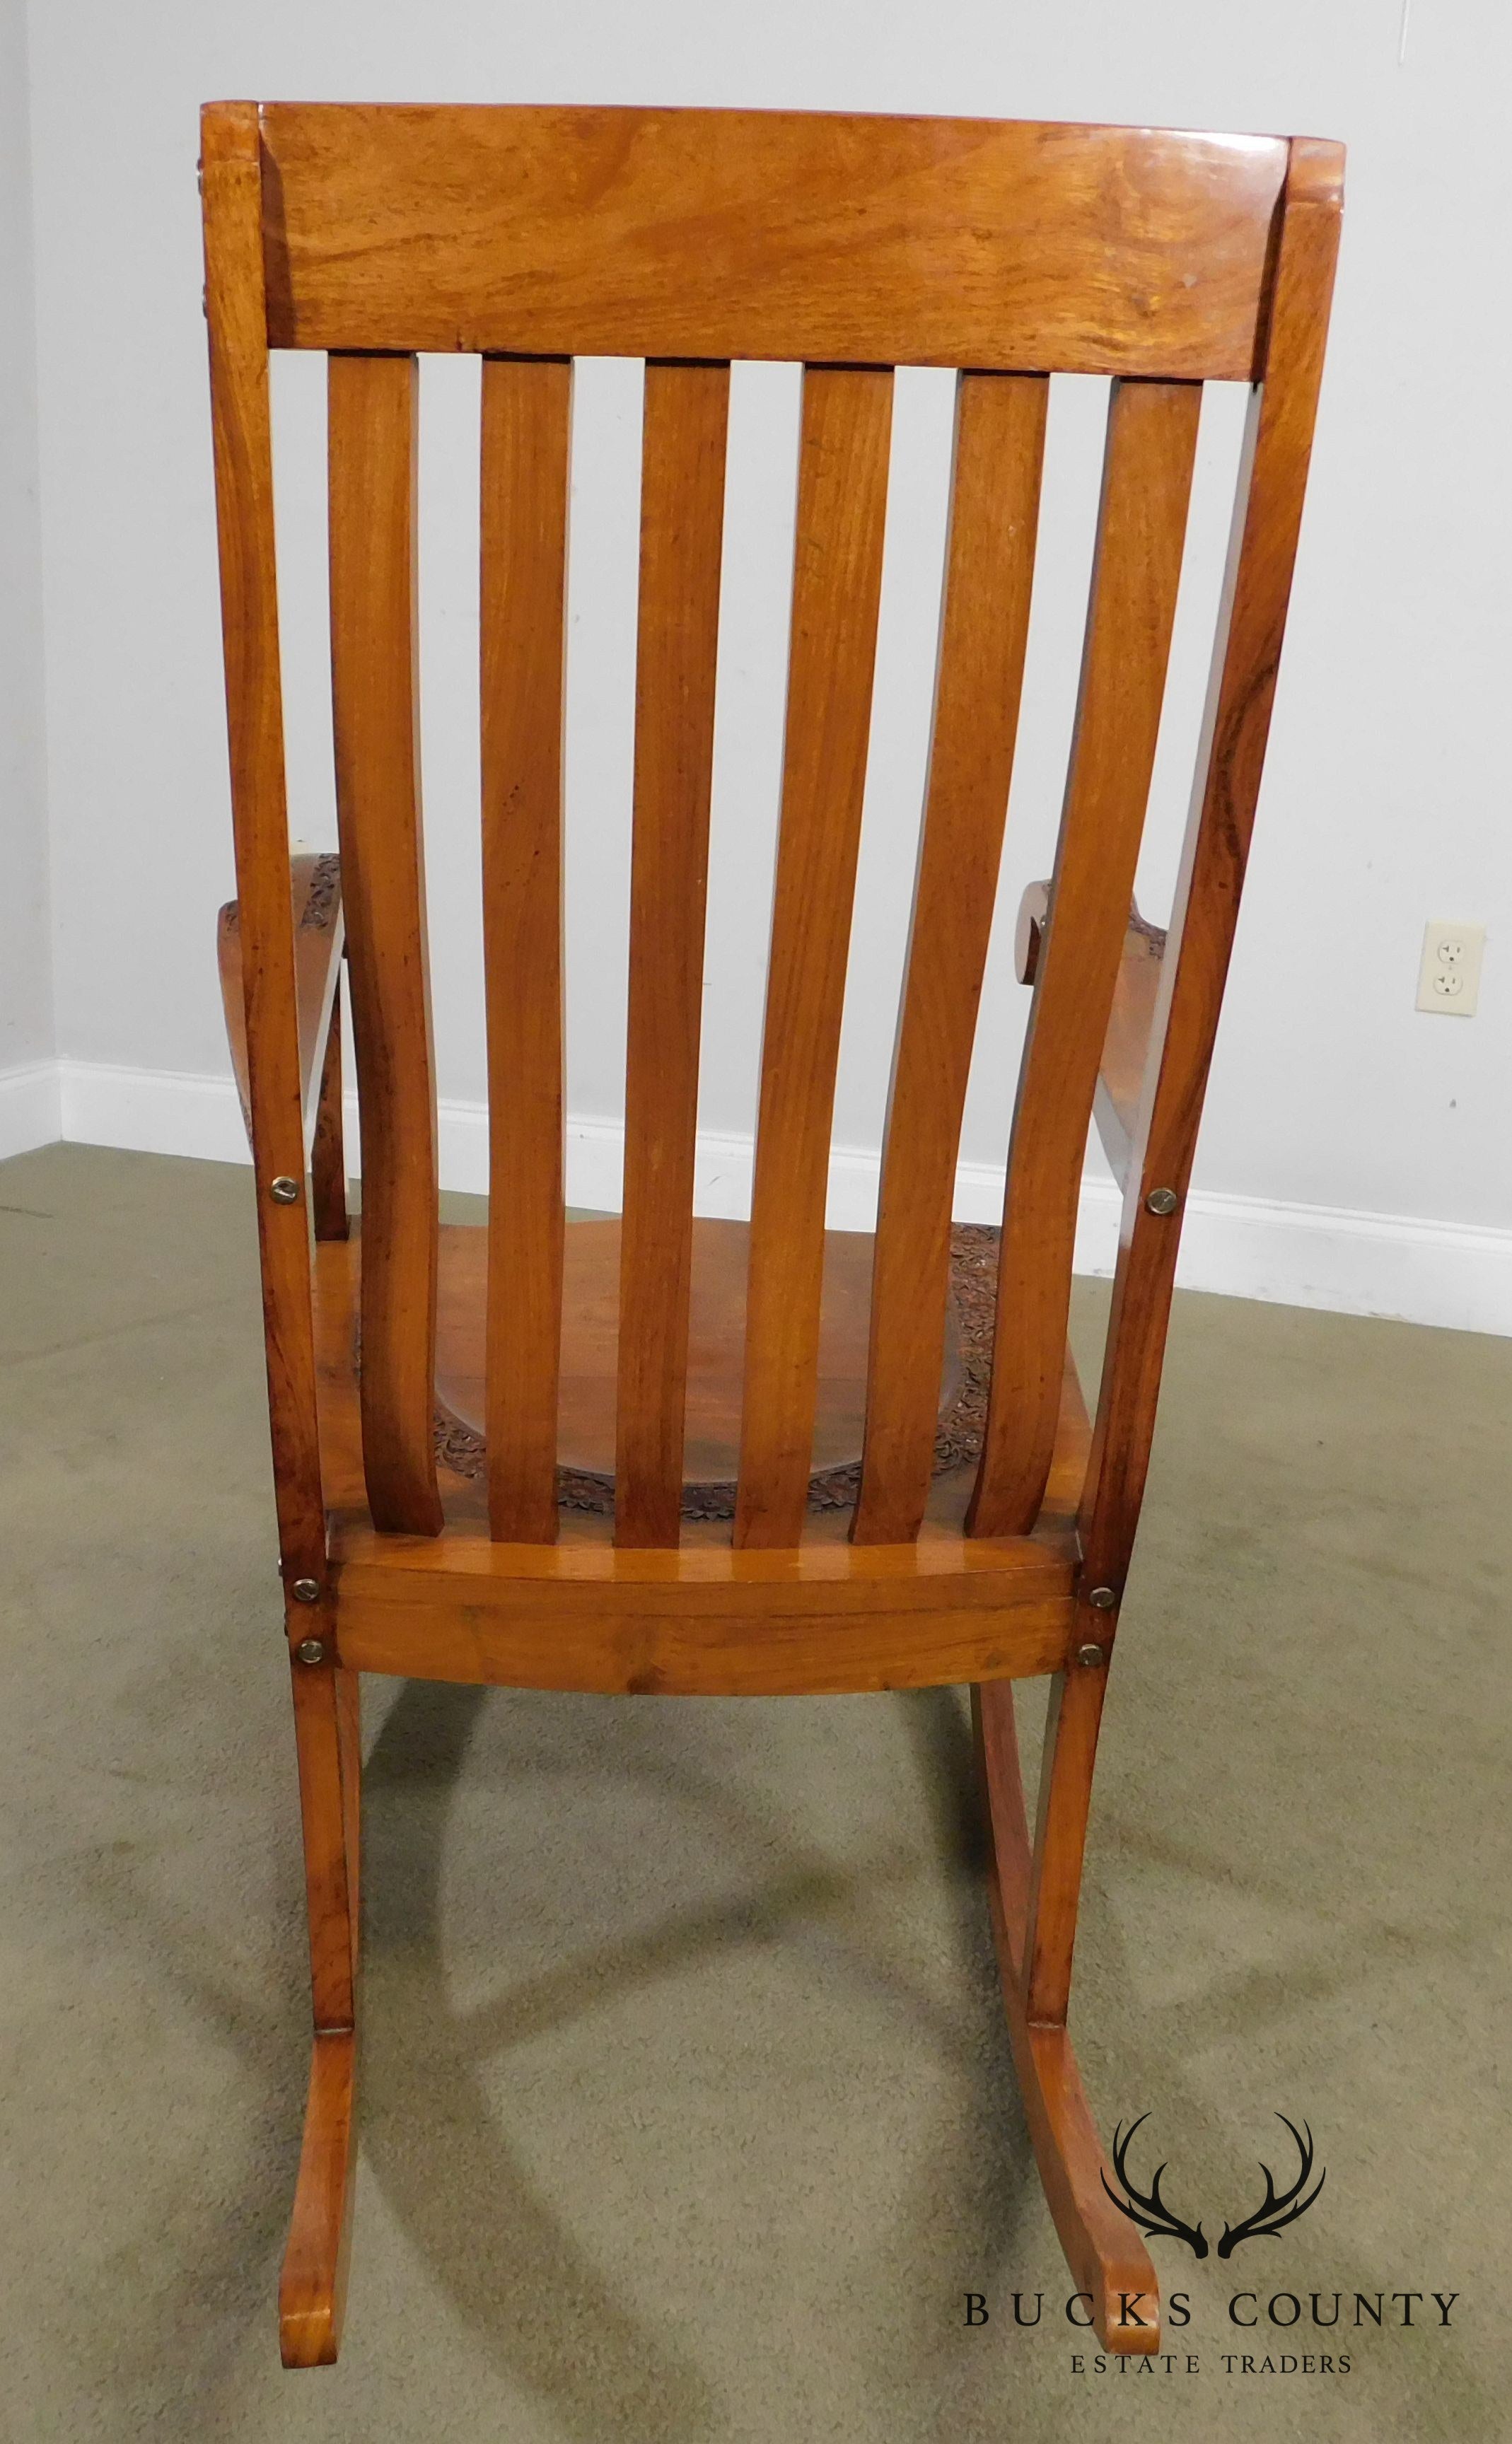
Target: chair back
column 686, row 238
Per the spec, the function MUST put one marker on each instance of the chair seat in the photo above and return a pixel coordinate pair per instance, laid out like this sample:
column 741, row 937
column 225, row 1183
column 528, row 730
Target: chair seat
column 586, row 1411
column 715, row 1355
column 704, row 1619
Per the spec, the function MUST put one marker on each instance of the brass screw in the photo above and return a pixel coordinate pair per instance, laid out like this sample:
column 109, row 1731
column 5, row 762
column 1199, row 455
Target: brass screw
column 1104, row 1598
column 310, row 1650
column 305, row 1591
column 283, row 1191
column 1162, row 1200
column 1089, row 1656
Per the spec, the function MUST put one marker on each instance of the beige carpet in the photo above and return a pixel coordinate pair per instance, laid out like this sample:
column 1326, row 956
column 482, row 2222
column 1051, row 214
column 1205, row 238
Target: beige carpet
column 688, row 2109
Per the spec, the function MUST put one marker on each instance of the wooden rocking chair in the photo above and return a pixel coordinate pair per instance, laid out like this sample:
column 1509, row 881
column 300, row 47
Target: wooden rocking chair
column 689, row 1456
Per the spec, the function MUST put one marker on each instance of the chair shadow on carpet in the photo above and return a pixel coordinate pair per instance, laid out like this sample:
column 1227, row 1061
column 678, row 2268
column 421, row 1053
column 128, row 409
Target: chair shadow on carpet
column 511, row 2268
column 526, row 2283
column 509, row 2265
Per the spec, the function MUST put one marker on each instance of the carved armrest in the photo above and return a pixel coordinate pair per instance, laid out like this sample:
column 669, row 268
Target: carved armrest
column 1126, row 1046
column 319, row 935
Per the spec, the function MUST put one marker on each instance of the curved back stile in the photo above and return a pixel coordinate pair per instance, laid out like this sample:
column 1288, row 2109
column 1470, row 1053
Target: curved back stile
column 236, row 316
column 1247, row 656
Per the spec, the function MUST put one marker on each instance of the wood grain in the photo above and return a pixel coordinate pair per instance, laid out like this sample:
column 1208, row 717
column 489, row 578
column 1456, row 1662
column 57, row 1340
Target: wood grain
column 1065, row 1783
column 1028, row 933
column 813, row 236
column 372, row 416
column 330, row 1887
column 318, row 948
column 1000, row 422
column 349, row 1759
column 1236, row 725
column 329, row 1146
column 706, row 1621
column 235, row 315
column 842, row 468
column 1108, row 2261
column 586, row 1421
column 1252, row 620
column 720, row 1262
column 1126, row 1046
column 328, row 1733
column 682, row 513
column 1125, row 1049
column 850, row 241
column 526, row 427
column 312, row 2284
column 1141, row 530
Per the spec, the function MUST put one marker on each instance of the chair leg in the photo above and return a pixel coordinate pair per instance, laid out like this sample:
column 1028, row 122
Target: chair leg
column 1034, row 1892
column 312, row 2286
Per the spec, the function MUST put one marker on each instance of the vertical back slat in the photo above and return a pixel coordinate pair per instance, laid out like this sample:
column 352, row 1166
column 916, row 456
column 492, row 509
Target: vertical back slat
column 836, row 587
column 526, row 413
column 1141, row 530
column 682, row 511
column 1000, row 422
column 372, row 408
column 236, row 314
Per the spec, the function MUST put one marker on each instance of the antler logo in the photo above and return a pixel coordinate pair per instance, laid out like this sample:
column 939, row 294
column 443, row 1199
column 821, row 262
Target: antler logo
column 1276, row 2211
column 1278, row 2208
column 1148, row 2210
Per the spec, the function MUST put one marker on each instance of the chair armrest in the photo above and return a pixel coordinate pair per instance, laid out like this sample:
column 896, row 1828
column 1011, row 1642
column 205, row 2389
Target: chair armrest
column 1033, row 910
column 1121, row 1072
column 320, row 933
column 1126, row 1046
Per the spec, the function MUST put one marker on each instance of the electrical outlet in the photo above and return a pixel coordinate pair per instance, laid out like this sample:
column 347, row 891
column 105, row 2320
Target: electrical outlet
column 1450, row 977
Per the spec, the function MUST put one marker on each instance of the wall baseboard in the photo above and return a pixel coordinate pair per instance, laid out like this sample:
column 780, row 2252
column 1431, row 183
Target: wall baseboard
column 30, row 1109
column 1445, row 1273
column 152, row 1111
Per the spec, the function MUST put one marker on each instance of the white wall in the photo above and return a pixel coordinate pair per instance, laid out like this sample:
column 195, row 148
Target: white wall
column 28, row 1095
column 1386, row 801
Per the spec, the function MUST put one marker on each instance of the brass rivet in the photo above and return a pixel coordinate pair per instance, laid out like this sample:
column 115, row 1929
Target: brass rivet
column 305, row 1591
column 1162, row 1200
column 311, row 1650
column 1091, row 1656
column 283, row 1191
column 1104, row 1598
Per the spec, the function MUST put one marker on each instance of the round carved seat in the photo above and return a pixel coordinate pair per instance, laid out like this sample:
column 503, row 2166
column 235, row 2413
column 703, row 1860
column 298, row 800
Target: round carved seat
column 590, row 1312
